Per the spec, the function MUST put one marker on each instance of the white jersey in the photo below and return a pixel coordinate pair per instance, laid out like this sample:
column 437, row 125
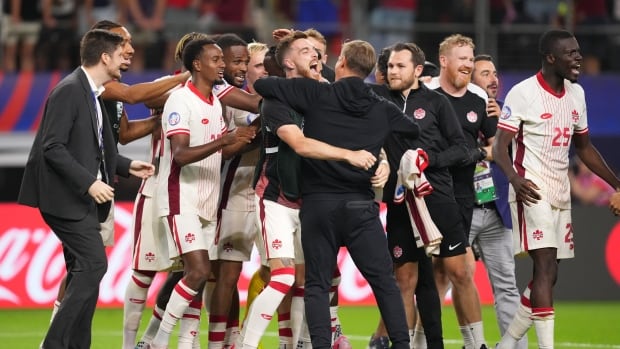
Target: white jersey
column 193, row 188
column 544, row 123
column 238, row 172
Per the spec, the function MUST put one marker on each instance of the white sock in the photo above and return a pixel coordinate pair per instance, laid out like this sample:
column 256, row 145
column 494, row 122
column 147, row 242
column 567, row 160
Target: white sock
column 477, row 331
column 217, row 331
column 265, row 305
column 232, row 332
column 411, row 334
column 153, row 326
column 336, row 327
column 520, row 323
column 419, row 339
column 190, row 325
column 297, row 312
column 468, row 338
column 135, row 299
column 544, row 322
column 285, row 332
column 180, row 298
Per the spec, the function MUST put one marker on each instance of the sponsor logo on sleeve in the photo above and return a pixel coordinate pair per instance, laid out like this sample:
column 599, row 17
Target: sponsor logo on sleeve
column 506, row 113
column 174, row 118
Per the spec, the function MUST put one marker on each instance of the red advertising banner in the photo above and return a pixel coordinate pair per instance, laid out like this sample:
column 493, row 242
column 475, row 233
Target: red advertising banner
column 32, row 264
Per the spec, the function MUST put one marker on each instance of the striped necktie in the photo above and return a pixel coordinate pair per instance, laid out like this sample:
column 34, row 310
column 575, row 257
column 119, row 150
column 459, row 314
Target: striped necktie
column 102, row 167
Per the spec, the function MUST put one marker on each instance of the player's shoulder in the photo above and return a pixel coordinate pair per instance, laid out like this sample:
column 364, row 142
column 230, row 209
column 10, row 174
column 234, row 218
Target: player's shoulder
column 574, row 88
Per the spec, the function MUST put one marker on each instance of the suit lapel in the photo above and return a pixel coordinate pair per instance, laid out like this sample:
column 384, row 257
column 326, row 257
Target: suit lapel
column 90, row 101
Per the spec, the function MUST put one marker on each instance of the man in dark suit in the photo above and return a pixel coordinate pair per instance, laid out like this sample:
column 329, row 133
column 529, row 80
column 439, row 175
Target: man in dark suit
column 71, row 162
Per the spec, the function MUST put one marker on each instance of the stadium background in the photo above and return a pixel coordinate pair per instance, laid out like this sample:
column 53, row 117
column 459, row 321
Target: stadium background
column 30, row 259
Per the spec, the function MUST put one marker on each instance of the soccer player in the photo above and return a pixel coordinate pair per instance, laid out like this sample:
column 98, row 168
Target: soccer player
column 236, row 228
column 541, row 116
column 456, row 58
column 188, row 189
column 491, row 223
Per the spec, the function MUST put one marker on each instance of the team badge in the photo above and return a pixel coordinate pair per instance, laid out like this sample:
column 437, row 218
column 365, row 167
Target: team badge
column 537, row 235
column 397, row 251
column 190, row 237
column 149, row 256
column 174, row 118
column 575, row 116
column 419, row 113
column 228, row 247
column 506, row 113
column 204, row 121
column 472, row 116
column 276, row 244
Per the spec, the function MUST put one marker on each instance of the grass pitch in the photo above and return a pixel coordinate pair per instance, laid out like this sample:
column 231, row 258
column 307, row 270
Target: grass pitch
column 577, row 325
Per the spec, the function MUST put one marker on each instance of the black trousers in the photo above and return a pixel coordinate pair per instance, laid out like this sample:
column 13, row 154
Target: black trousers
column 86, row 264
column 328, row 222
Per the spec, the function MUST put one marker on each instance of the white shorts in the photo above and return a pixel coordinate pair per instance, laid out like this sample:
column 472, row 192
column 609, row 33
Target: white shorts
column 190, row 232
column 280, row 228
column 542, row 226
column 234, row 238
column 107, row 228
column 151, row 243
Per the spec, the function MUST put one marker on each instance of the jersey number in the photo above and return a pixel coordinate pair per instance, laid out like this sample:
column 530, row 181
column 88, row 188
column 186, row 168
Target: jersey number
column 568, row 238
column 561, row 137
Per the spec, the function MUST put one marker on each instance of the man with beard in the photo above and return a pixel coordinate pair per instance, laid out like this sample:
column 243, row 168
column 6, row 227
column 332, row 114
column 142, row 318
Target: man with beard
column 236, row 228
column 445, row 146
column 540, row 117
column 490, row 233
column 69, row 177
column 188, row 189
column 453, row 265
column 277, row 189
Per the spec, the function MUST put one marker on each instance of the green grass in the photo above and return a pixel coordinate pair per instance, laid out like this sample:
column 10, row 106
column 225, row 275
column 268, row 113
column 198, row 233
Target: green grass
column 577, row 325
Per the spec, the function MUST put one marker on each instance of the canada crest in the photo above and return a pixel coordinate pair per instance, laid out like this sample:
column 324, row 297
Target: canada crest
column 419, row 113
column 472, row 116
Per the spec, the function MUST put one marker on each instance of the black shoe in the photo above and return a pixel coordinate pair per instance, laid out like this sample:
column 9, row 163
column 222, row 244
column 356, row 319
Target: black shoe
column 379, row 342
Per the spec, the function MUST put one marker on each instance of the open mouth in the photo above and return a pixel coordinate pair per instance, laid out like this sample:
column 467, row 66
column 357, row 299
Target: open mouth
column 314, row 67
column 576, row 69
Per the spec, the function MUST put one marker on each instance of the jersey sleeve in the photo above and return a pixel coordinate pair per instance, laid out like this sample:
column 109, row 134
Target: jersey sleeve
column 176, row 115
column 581, row 126
column 221, row 90
column 513, row 110
column 275, row 114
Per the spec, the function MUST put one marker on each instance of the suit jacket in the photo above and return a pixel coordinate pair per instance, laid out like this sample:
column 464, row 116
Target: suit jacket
column 65, row 156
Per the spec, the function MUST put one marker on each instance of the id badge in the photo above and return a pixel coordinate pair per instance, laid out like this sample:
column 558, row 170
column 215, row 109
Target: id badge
column 483, row 183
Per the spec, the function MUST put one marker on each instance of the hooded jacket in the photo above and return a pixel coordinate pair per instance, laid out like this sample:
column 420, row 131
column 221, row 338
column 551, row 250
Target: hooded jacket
column 346, row 114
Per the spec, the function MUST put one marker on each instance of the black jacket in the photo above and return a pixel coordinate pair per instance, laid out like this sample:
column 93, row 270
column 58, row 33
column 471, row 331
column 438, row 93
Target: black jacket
column 346, row 114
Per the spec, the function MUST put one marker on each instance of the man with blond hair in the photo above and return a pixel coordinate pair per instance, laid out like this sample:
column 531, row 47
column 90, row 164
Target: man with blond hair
column 454, row 263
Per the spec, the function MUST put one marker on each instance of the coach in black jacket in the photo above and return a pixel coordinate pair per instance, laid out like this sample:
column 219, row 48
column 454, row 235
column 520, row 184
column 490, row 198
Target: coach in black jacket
column 66, row 177
column 338, row 201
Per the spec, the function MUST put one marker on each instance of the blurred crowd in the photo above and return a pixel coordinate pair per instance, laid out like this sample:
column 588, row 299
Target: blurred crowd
column 39, row 35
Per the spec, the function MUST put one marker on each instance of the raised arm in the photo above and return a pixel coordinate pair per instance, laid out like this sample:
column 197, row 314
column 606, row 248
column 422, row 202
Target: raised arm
column 142, row 92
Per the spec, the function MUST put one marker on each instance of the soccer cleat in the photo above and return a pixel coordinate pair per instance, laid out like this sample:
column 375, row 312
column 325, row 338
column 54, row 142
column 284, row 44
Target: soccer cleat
column 142, row 345
column 342, row 342
column 379, row 342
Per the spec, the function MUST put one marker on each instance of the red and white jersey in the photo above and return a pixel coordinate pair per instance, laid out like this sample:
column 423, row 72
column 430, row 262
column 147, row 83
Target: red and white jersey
column 222, row 90
column 193, row 188
column 544, row 123
column 237, row 193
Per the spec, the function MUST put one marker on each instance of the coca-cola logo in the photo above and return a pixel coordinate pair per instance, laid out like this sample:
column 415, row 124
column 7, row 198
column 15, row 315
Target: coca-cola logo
column 32, row 264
